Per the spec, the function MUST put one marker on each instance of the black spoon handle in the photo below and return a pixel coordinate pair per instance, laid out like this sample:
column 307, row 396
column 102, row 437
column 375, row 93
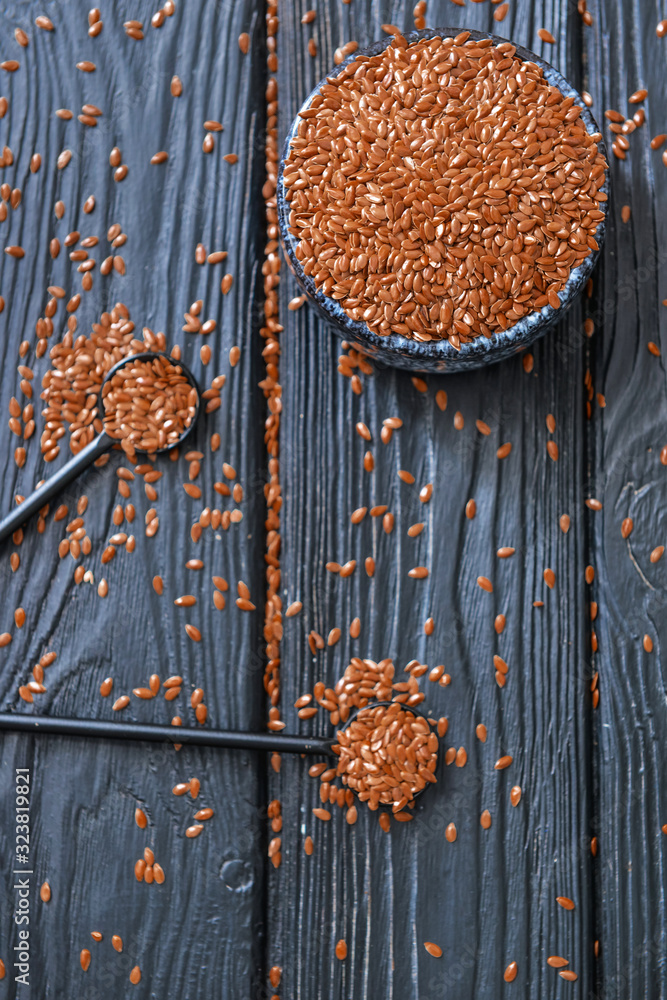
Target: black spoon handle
column 52, row 725
column 58, row 481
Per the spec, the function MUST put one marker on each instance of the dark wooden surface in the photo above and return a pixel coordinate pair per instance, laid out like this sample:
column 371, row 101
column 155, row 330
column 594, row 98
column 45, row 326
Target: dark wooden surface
column 224, row 916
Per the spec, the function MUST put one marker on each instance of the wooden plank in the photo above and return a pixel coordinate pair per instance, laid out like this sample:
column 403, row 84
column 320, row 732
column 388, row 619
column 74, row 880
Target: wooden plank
column 627, row 475
column 197, row 934
column 490, row 897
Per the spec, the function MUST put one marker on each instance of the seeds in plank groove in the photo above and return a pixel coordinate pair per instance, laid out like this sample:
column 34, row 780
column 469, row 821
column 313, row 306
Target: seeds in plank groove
column 244, row 42
column 515, row 795
column 341, row 950
column 510, row 973
column 550, row 578
column 84, row 958
column 565, row 902
column 433, row 949
column 648, row 644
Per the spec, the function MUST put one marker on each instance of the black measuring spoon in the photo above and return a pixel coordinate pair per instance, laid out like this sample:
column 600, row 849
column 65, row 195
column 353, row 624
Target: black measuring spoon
column 92, row 451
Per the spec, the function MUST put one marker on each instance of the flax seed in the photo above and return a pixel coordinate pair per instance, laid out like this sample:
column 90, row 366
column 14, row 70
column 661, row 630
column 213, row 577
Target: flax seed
column 433, row 949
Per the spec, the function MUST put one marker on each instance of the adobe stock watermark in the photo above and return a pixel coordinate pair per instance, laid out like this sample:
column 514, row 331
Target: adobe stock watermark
column 22, row 872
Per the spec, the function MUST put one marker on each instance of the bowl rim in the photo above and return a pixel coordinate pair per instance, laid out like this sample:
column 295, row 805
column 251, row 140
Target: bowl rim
column 395, row 348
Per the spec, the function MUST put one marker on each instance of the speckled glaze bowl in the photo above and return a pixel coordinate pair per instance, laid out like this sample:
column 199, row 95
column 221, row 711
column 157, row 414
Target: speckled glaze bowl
column 439, row 356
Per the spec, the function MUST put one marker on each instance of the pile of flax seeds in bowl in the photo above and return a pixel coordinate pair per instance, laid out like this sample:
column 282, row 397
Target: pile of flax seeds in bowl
column 443, row 189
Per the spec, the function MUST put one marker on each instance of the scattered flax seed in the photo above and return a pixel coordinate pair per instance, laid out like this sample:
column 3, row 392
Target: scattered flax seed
column 135, row 975
column 502, row 763
column 505, row 552
column 657, row 553
column 569, row 975
column 341, row 950
column 550, row 578
column 244, row 42
column 96, row 935
column 117, row 942
column 515, row 795
column 433, row 949
column 564, row 523
column 556, row 961
column 653, row 349
column 451, row 833
column 485, row 820
column 504, row 450
column 44, row 22
column 648, row 644
column 480, row 732
column 45, row 892
column 593, row 504
column 485, row 584
column 546, row 36
column 500, row 13
column 84, row 958
column 510, row 973
column 565, row 902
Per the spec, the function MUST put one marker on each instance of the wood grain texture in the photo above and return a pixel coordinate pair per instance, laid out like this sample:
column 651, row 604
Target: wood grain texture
column 199, row 934
column 627, row 475
column 490, row 897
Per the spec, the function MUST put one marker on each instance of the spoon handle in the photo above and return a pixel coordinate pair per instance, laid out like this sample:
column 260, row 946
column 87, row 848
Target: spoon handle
column 58, row 481
column 53, row 725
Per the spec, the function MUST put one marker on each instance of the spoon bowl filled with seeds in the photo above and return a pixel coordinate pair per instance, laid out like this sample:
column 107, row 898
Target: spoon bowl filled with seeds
column 387, row 754
column 442, row 199
column 148, row 402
